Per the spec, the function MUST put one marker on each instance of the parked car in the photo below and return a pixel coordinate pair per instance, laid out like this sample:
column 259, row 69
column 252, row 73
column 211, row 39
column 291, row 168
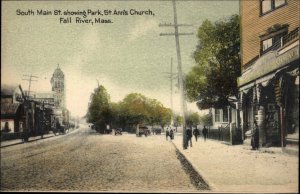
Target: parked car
column 142, row 130
column 156, row 131
column 118, row 131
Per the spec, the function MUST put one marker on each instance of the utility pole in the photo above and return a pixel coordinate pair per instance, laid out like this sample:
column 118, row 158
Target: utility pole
column 25, row 135
column 171, row 76
column 179, row 67
column 171, row 80
column 29, row 79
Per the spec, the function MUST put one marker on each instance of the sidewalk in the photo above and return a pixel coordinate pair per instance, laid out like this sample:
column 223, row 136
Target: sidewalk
column 19, row 141
column 237, row 168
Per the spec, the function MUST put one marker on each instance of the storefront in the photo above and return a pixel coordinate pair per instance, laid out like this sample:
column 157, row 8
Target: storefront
column 269, row 94
column 12, row 120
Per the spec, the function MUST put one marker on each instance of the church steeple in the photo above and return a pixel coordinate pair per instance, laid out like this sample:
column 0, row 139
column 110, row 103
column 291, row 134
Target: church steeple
column 58, row 87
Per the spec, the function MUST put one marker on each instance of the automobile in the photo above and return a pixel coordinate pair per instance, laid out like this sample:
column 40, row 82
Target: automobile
column 107, row 131
column 142, row 130
column 156, row 131
column 118, row 131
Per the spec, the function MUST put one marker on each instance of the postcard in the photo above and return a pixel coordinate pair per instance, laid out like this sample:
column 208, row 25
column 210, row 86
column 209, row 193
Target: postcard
column 164, row 96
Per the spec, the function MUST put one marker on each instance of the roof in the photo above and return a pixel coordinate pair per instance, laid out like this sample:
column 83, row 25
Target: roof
column 7, row 90
column 9, row 109
column 44, row 95
column 58, row 72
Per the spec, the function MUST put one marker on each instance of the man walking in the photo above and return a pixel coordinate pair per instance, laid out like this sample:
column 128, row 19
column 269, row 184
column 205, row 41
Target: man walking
column 189, row 136
column 167, row 133
column 204, row 131
column 196, row 133
column 171, row 134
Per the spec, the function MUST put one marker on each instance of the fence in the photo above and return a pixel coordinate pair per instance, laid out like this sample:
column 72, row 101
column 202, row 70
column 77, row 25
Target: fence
column 221, row 134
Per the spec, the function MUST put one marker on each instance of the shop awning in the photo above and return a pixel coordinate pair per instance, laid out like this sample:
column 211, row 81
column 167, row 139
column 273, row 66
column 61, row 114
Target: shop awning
column 269, row 63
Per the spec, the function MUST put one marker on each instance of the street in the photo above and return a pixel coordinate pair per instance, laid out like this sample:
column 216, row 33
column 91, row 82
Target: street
column 84, row 160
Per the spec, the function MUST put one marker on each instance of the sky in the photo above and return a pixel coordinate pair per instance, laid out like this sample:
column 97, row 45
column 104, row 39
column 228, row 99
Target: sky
column 125, row 56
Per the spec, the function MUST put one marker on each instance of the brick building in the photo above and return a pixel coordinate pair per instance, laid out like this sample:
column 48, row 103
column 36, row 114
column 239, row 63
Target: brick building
column 269, row 84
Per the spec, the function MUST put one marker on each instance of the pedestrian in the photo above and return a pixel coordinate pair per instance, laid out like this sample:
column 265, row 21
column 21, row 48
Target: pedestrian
column 255, row 136
column 6, row 127
column 171, row 134
column 196, row 133
column 204, row 132
column 167, row 133
column 189, row 136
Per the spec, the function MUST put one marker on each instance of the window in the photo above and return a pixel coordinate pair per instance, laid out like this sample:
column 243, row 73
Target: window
column 225, row 115
column 270, row 5
column 221, row 115
column 272, row 42
column 266, row 6
column 279, row 3
column 267, row 44
column 217, row 115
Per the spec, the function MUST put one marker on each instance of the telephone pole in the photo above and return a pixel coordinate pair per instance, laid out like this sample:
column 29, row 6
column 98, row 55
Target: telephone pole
column 179, row 67
column 171, row 80
column 171, row 76
column 29, row 79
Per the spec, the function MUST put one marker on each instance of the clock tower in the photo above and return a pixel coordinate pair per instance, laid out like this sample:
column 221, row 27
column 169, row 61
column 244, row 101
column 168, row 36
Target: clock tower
column 58, row 87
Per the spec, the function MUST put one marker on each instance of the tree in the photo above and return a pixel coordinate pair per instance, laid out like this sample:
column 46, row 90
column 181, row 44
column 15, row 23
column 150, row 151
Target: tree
column 158, row 114
column 137, row 109
column 134, row 110
column 193, row 120
column 164, row 115
column 206, row 119
column 99, row 109
column 214, row 79
column 116, row 116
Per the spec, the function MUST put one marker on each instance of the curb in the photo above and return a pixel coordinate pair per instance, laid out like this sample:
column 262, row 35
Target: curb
column 291, row 152
column 211, row 186
column 15, row 142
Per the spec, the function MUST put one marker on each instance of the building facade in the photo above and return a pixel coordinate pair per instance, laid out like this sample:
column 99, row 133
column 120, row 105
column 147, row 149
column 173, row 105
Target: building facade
column 269, row 84
column 12, row 111
column 224, row 126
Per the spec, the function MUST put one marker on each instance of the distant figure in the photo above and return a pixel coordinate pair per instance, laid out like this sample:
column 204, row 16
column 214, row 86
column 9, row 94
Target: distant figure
column 189, row 136
column 171, row 134
column 204, row 132
column 255, row 136
column 6, row 127
column 196, row 133
column 167, row 133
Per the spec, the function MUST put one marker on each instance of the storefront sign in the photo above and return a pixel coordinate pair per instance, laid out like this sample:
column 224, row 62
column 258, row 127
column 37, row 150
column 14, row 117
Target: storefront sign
column 268, row 63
